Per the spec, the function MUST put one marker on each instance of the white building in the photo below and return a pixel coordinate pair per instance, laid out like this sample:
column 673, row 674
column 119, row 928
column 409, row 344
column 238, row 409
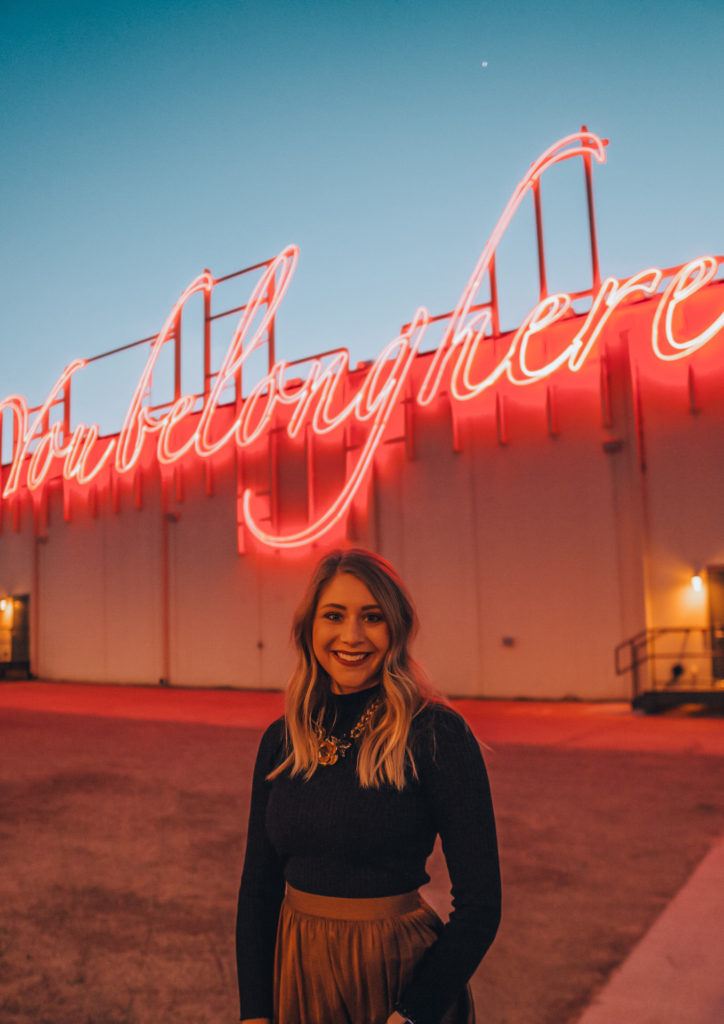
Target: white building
column 558, row 491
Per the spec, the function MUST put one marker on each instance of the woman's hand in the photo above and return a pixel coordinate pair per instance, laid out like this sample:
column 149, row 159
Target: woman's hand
column 395, row 1018
column 255, row 1020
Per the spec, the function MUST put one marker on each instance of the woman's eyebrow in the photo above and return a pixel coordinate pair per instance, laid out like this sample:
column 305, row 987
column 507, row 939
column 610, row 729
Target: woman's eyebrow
column 365, row 607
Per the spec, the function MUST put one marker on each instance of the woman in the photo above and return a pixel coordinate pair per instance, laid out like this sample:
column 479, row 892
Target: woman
column 350, row 787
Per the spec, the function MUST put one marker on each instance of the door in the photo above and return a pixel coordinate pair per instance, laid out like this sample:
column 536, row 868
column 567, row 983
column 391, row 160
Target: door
column 715, row 574
column 14, row 633
column 21, row 631
column 6, row 630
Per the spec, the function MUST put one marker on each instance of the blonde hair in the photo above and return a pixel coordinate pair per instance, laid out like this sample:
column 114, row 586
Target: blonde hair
column 407, row 690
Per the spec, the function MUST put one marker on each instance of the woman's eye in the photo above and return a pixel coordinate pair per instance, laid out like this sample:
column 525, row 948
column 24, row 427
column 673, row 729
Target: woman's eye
column 374, row 617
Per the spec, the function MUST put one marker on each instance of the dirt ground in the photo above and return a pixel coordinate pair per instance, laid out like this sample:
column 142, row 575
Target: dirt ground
column 121, row 844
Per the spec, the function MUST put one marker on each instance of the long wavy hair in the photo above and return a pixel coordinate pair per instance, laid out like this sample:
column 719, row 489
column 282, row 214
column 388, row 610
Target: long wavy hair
column 407, row 690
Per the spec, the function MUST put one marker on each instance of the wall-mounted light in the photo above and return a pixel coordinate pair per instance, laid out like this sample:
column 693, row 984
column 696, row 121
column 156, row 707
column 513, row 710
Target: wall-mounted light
column 3, row 603
column 697, row 582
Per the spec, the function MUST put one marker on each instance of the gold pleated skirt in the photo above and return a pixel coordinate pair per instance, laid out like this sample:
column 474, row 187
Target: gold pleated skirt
column 346, row 961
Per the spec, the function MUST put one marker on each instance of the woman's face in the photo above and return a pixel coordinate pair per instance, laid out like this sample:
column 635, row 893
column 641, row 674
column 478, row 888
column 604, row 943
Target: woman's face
column 348, row 619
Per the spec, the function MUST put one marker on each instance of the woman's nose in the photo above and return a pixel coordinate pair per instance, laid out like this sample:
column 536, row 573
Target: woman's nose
column 352, row 631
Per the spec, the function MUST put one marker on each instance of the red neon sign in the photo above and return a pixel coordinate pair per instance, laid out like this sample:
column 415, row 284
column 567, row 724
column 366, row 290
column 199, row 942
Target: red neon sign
column 82, row 459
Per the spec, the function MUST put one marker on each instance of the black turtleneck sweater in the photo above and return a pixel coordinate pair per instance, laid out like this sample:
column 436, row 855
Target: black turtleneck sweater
column 332, row 837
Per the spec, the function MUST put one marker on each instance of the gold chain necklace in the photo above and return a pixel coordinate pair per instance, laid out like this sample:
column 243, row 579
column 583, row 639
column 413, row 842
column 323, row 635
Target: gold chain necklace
column 332, row 747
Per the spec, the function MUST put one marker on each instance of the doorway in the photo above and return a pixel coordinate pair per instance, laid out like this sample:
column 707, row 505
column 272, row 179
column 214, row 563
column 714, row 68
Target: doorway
column 715, row 575
column 15, row 635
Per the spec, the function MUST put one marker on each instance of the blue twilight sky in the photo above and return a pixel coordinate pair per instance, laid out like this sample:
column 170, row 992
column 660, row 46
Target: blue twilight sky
column 144, row 141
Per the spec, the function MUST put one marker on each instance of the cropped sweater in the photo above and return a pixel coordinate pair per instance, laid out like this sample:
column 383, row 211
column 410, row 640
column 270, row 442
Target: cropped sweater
column 333, row 837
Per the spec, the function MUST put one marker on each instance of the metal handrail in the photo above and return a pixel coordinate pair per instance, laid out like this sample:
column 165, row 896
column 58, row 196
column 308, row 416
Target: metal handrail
column 641, row 649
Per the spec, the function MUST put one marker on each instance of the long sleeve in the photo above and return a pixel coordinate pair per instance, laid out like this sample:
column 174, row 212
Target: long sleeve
column 457, row 787
column 261, row 891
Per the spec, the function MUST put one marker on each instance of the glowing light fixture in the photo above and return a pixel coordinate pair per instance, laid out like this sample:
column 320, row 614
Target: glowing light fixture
column 696, row 582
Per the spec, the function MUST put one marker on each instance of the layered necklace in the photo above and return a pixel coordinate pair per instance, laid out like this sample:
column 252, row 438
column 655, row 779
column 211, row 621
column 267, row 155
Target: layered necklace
column 331, row 748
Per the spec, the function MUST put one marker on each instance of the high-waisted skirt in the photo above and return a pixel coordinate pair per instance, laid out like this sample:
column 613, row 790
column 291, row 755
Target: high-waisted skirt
column 346, row 961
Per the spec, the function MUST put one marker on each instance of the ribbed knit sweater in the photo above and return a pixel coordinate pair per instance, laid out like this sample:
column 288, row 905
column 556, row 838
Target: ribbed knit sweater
column 330, row 836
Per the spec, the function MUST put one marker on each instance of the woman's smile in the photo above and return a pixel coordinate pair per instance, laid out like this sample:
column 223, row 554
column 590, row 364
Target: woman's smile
column 351, row 659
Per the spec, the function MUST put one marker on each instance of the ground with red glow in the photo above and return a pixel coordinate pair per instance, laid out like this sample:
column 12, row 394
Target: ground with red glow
column 123, row 809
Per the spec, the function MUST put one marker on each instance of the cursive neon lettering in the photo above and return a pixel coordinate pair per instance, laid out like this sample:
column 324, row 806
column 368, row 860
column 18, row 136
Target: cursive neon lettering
column 690, row 279
column 319, row 401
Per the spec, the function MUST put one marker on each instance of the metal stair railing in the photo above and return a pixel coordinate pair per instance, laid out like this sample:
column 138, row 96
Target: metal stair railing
column 641, row 650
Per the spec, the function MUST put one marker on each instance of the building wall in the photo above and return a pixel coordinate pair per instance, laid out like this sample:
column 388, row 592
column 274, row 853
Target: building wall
column 529, row 560
column 682, row 408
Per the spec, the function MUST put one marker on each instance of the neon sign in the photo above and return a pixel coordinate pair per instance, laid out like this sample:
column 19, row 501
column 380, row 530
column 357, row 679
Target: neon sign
column 187, row 430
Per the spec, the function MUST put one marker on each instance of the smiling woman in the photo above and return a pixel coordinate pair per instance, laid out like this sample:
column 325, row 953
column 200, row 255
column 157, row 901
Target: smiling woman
column 350, row 788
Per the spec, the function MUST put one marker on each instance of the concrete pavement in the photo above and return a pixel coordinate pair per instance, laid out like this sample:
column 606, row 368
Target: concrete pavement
column 675, row 974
